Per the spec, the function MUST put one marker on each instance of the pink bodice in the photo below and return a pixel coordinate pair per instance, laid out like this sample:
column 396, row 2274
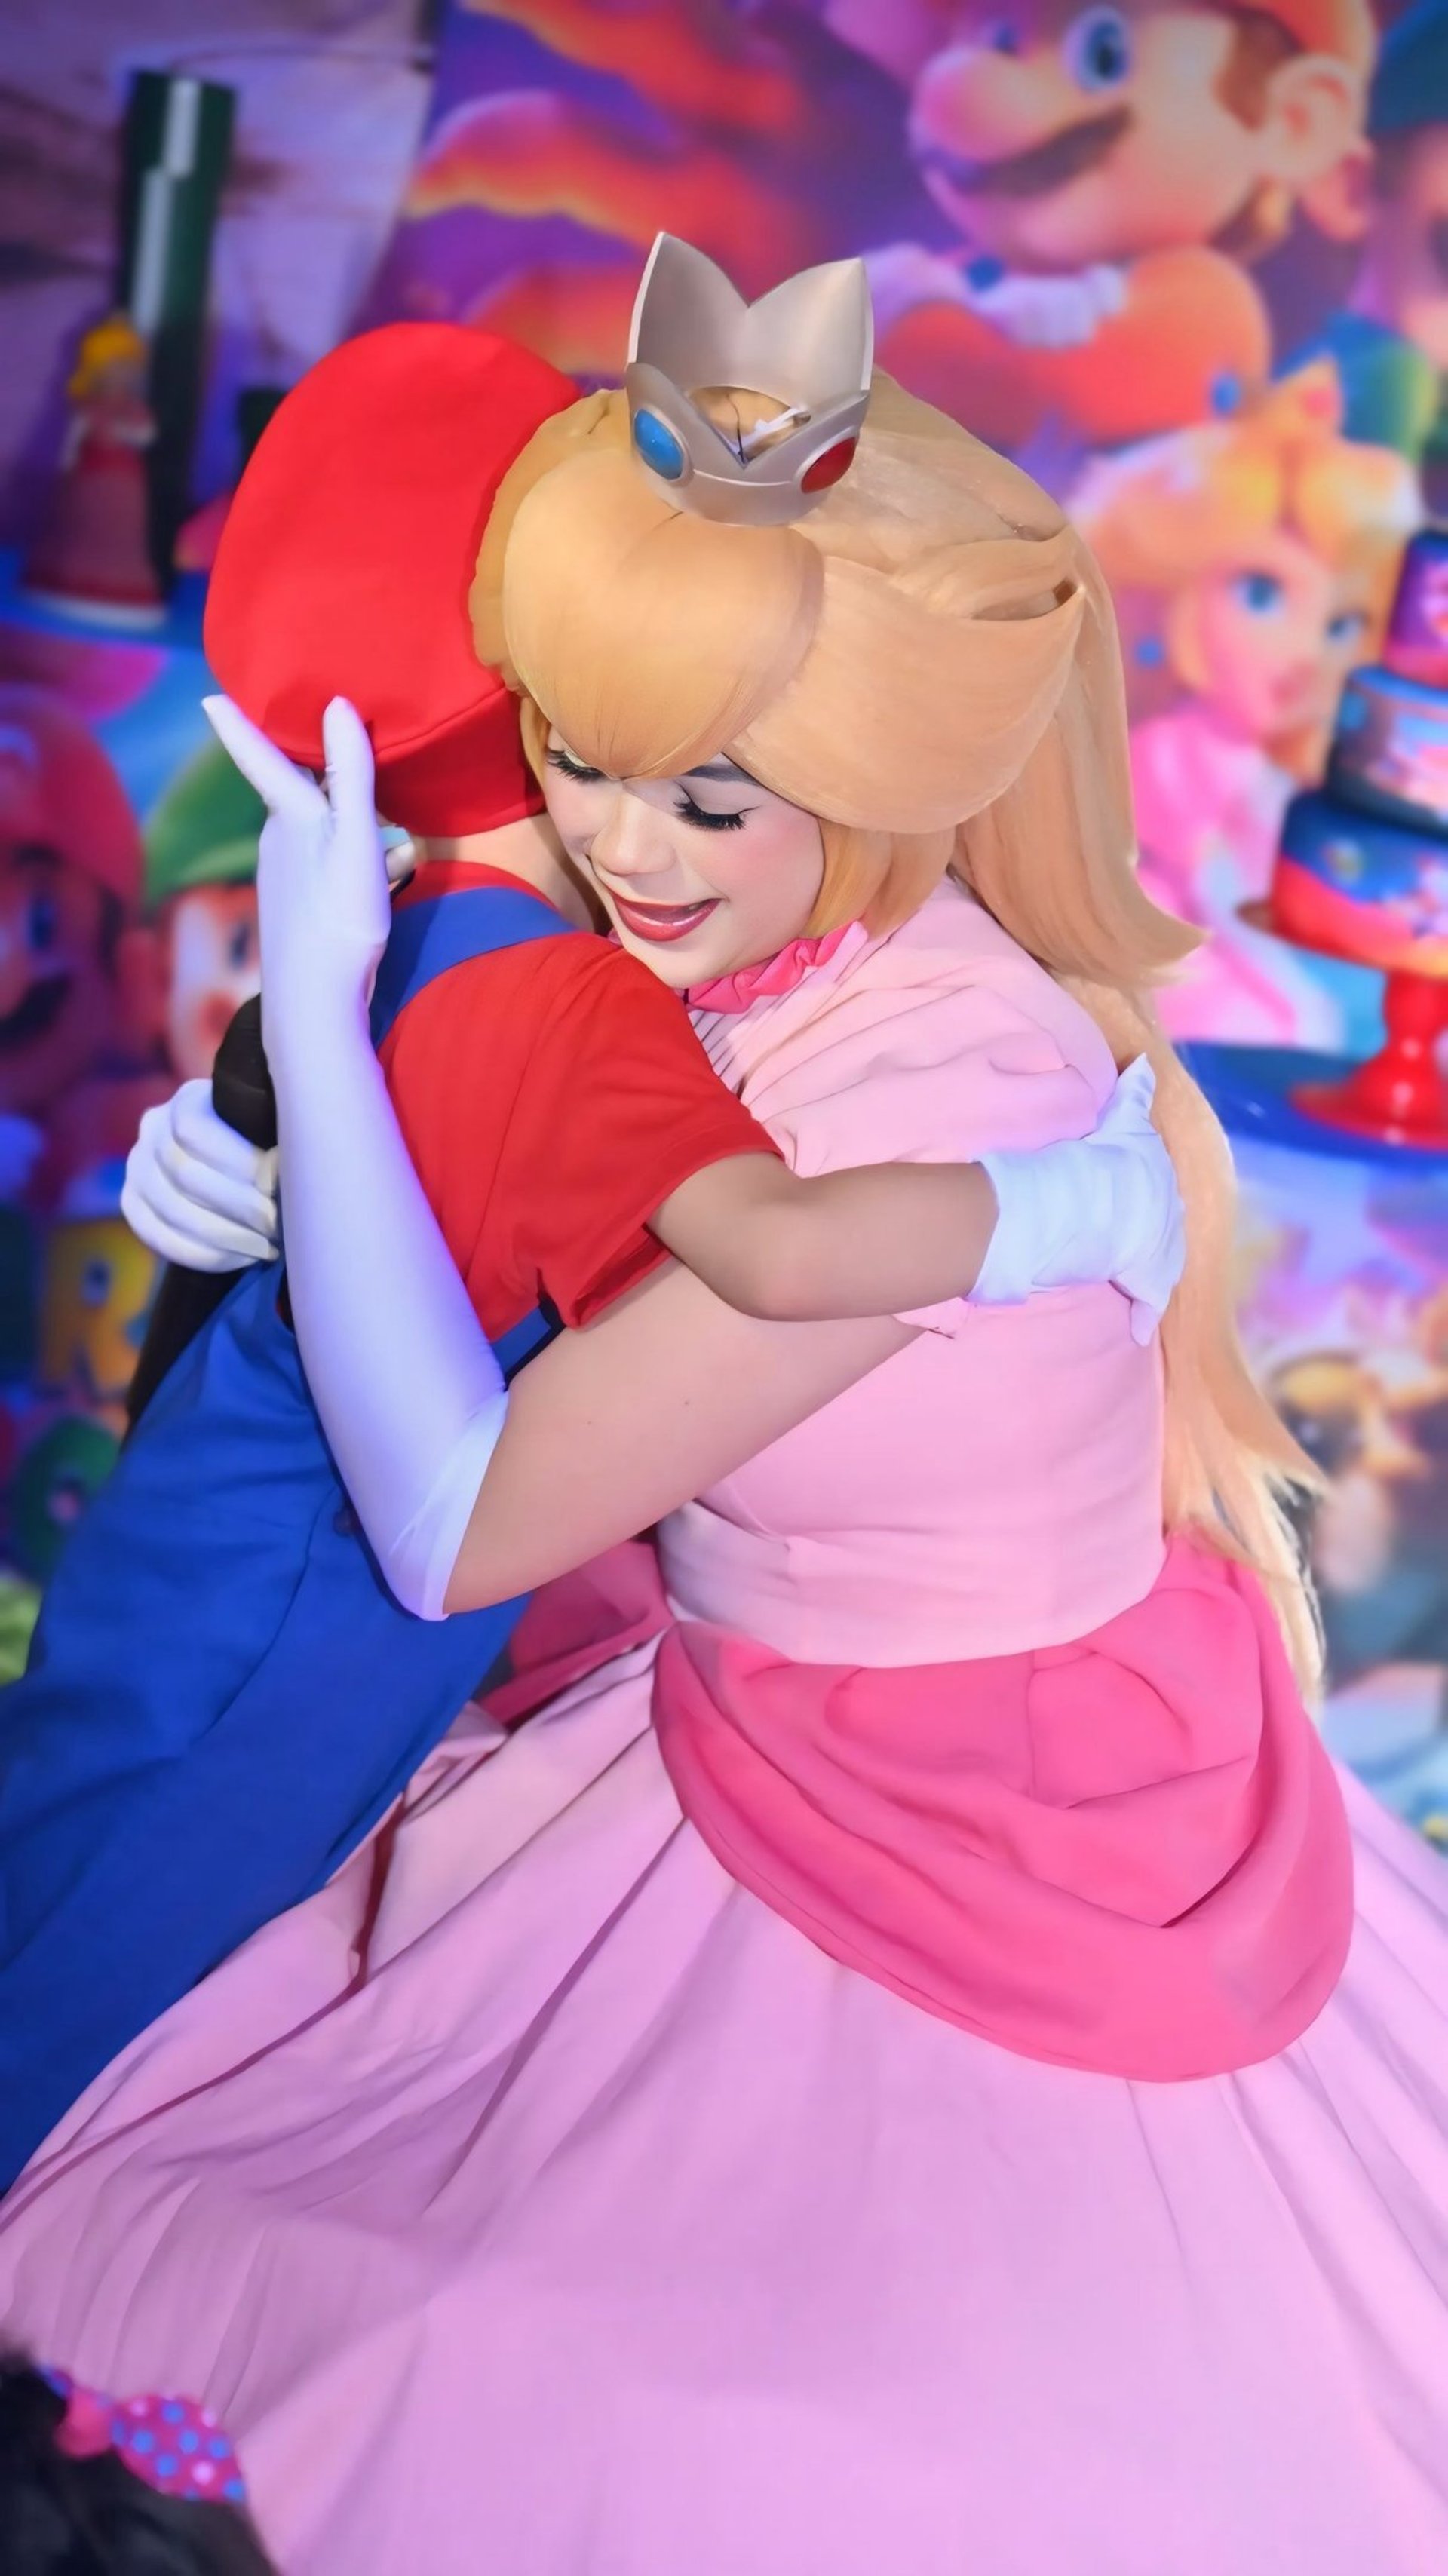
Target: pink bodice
column 998, row 1485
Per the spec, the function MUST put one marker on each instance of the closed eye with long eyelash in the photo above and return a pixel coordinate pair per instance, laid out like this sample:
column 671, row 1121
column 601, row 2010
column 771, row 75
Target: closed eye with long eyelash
column 689, row 812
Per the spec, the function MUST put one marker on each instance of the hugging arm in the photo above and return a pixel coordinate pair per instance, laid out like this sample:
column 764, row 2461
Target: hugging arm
column 618, row 1424
column 469, row 1494
column 898, row 1238
column 611, row 1428
column 876, row 1239
column 605, row 1432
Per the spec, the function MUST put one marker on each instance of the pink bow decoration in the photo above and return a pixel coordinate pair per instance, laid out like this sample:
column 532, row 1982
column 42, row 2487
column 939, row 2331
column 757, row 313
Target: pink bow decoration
column 773, row 975
column 171, row 2443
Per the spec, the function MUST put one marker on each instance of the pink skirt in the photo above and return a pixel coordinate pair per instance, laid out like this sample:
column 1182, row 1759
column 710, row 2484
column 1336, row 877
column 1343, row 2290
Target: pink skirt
column 537, row 2201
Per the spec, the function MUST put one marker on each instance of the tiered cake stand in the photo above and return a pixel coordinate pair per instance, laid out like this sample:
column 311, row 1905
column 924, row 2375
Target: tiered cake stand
column 1399, row 1097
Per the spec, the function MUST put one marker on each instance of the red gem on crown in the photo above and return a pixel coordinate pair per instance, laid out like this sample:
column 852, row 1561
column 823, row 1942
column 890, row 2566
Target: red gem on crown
column 830, row 467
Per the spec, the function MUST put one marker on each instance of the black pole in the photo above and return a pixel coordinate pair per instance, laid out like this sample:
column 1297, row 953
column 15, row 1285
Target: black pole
column 175, row 152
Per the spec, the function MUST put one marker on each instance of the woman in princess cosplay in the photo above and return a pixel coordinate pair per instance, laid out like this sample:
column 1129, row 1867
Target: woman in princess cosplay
column 910, row 2057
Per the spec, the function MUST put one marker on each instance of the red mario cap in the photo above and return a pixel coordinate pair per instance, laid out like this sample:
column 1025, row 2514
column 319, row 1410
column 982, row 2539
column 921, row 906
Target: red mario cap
column 346, row 558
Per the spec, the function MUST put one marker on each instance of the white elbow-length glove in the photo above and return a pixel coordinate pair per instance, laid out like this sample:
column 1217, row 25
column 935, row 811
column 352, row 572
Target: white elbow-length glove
column 1106, row 1208
column 409, row 1393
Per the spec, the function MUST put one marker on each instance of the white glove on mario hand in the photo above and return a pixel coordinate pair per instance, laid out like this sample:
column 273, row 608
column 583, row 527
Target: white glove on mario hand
column 410, row 1396
column 195, row 1191
column 1106, row 1208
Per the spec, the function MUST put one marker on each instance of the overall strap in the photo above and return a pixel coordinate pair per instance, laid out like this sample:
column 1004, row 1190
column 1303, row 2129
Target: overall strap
column 428, row 938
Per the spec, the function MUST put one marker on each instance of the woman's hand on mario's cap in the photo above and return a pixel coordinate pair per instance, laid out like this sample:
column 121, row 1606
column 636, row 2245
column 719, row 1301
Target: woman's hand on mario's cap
column 322, row 883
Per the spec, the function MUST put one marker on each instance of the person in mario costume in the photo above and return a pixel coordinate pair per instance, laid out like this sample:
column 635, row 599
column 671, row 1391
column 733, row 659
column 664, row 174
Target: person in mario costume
column 176, row 1623
column 224, row 1696
column 1113, row 169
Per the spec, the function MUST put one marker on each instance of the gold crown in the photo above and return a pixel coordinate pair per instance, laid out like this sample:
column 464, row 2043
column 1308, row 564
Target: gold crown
column 747, row 411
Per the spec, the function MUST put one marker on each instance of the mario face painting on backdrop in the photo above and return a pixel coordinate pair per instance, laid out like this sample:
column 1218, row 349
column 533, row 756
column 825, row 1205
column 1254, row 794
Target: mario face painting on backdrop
column 70, row 869
column 1111, row 168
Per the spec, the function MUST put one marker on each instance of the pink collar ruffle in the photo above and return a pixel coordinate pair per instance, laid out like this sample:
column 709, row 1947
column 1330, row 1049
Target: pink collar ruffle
column 773, row 975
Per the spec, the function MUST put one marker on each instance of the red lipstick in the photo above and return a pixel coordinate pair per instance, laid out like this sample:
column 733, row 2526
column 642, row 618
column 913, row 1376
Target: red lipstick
column 661, row 922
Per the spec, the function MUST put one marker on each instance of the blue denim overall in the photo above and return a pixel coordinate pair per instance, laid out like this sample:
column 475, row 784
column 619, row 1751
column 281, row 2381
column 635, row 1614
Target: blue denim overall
column 223, row 1697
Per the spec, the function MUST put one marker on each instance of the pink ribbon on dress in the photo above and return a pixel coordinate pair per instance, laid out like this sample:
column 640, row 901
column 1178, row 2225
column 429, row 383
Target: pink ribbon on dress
column 1128, row 1855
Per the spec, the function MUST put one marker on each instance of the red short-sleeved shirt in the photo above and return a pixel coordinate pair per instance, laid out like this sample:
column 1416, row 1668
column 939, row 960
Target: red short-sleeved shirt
column 552, row 1096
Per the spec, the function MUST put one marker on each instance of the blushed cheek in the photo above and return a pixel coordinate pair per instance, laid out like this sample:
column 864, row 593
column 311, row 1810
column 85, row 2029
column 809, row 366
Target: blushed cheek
column 790, row 874
column 800, row 860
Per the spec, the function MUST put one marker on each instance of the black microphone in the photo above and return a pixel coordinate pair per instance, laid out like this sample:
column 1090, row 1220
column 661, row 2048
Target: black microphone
column 241, row 1094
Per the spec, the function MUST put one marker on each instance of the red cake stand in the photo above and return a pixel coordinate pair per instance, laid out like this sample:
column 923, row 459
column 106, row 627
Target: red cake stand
column 1400, row 1096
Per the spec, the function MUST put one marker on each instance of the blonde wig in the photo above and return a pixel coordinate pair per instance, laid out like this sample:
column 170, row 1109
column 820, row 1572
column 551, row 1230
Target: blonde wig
column 1168, row 514
column 929, row 664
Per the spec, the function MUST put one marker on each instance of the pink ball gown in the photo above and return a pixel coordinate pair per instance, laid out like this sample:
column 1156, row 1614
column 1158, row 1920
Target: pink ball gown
column 897, row 2066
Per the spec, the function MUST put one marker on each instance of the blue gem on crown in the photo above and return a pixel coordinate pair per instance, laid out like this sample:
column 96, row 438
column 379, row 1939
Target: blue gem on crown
column 662, row 453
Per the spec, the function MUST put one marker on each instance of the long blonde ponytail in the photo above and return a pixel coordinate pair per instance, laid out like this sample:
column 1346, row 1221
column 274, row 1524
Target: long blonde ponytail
column 1231, row 1464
